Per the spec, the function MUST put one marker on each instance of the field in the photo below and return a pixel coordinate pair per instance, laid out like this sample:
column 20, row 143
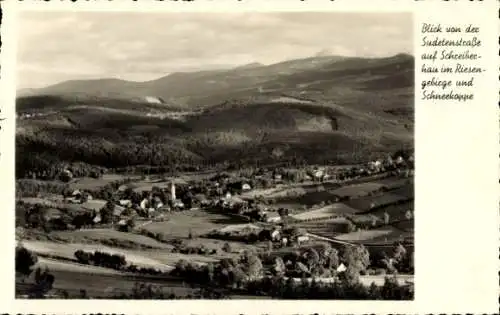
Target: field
column 368, row 203
column 100, row 282
column 407, row 191
column 357, row 190
column 396, row 212
column 161, row 259
column 87, row 183
column 147, row 185
column 198, row 222
column 110, row 236
column 42, row 201
column 382, row 235
column 326, row 228
column 394, row 183
column 325, row 212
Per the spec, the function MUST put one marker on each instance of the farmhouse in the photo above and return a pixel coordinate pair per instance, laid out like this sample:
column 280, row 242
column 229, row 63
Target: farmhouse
column 125, row 203
column 117, row 211
column 275, row 235
column 284, row 241
column 97, row 218
column 302, row 239
column 273, row 216
column 51, row 214
column 77, row 194
column 341, row 268
column 144, row 204
column 178, row 204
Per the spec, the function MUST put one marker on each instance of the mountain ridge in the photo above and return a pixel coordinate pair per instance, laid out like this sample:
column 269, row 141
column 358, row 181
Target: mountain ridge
column 317, row 109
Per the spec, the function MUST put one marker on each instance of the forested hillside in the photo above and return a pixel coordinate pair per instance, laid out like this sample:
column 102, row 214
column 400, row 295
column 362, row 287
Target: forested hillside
column 315, row 110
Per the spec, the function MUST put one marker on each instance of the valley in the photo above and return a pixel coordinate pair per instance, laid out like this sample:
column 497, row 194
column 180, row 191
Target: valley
column 228, row 183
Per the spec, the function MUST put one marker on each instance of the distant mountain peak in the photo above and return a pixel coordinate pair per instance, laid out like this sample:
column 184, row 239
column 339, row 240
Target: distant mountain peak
column 324, row 53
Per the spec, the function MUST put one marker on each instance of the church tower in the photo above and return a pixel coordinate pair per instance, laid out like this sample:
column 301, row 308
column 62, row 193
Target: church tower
column 172, row 191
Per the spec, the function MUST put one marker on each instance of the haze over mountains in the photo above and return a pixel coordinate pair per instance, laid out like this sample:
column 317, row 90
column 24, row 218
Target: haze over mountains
column 319, row 108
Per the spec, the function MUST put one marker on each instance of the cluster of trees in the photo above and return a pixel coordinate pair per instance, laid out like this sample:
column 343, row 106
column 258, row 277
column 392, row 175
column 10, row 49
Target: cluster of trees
column 93, row 151
column 43, row 155
column 247, row 275
column 30, row 188
column 36, row 217
column 399, row 260
column 200, row 250
column 249, row 238
column 25, row 261
column 102, row 259
column 279, row 287
column 322, row 262
column 229, row 272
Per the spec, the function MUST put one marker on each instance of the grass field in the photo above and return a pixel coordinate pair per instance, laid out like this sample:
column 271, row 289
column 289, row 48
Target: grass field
column 395, row 182
column 41, row 201
column 198, row 222
column 396, row 212
column 67, row 251
column 325, row 212
column 307, row 200
column 367, row 203
column 406, row 225
column 407, row 191
column 100, row 282
column 88, row 183
column 382, row 235
column 110, row 236
column 357, row 190
column 326, row 228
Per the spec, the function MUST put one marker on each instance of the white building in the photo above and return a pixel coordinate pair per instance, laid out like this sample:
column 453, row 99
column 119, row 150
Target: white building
column 172, row 191
column 341, row 268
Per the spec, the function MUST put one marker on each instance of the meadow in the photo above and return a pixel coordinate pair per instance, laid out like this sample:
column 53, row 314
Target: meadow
column 197, row 222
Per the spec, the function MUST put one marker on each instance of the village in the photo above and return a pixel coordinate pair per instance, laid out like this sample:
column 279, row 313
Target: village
column 216, row 215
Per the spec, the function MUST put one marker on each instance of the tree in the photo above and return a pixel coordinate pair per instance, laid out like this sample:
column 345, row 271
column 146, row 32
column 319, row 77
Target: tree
column 333, row 259
column 25, row 260
column 312, row 258
column 399, row 253
column 238, row 276
column 350, row 275
column 301, row 269
column 227, row 248
column 107, row 213
column 279, row 267
column 386, row 218
column 44, row 281
column 356, row 257
column 350, row 227
column 254, row 266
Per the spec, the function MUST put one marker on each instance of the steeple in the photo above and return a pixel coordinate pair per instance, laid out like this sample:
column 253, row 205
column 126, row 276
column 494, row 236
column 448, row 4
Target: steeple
column 172, row 191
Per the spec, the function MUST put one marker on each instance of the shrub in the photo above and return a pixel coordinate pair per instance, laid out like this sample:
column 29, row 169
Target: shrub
column 227, row 248
column 25, row 260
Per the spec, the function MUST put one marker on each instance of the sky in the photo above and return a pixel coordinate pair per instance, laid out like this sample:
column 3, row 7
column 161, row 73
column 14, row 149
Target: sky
column 57, row 46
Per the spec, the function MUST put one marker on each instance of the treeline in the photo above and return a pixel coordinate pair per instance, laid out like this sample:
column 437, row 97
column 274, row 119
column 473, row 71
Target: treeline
column 25, row 262
column 101, row 259
column 281, row 288
column 45, row 154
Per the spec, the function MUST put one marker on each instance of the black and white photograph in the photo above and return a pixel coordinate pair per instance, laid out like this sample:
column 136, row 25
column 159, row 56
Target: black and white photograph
column 214, row 155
